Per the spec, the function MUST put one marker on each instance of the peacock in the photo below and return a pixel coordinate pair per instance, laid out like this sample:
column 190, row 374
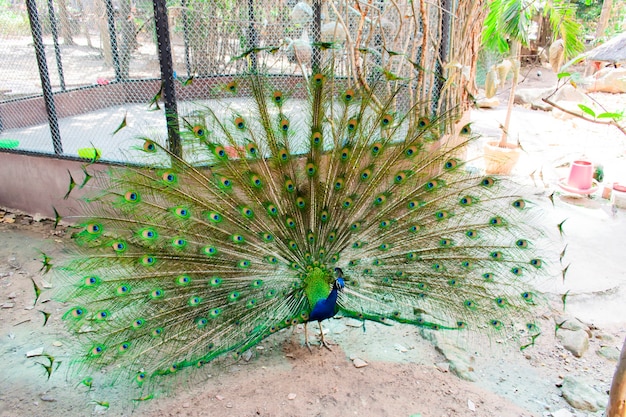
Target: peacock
column 316, row 198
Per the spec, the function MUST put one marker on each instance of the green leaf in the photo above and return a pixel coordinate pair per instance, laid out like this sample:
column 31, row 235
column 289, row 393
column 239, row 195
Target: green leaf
column 610, row 115
column 563, row 75
column 587, row 110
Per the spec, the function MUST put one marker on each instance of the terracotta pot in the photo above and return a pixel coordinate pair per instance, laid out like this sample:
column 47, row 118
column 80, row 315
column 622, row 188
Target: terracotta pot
column 581, row 175
column 500, row 160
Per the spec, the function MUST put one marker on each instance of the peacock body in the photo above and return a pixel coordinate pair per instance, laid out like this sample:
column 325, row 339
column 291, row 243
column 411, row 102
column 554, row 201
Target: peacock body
column 278, row 217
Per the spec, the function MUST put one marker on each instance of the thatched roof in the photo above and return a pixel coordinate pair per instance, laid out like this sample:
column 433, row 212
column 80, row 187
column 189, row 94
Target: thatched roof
column 612, row 51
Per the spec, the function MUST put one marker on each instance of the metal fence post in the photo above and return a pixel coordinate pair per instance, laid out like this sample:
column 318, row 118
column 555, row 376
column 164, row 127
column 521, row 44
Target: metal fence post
column 55, row 40
column 113, row 39
column 252, row 36
column 48, row 97
column 317, row 36
column 183, row 5
column 167, row 77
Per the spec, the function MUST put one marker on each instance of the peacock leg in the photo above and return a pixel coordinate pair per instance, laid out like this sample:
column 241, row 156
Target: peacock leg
column 306, row 336
column 323, row 341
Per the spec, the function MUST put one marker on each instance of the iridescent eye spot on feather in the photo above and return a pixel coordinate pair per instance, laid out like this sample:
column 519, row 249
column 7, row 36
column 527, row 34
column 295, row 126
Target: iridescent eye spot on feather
column 334, row 259
column 300, row 203
column 123, row 290
column 519, row 204
column 251, row 303
column 496, row 221
column 215, row 282
column 469, row 304
column 316, row 139
column 157, row 332
column 283, row 155
column 496, row 255
column 215, row 313
column 91, row 281
column 267, row 237
column 332, row 236
column 148, row 260
column 97, row 350
column 123, row 347
column 310, row 237
column 102, row 315
column 384, row 224
column 452, row 282
column 488, row 277
column 412, row 205
column 521, row 243
column 461, row 325
column 347, row 203
column 140, row 378
column 528, row 297
column 169, row 177
column 271, row 210
column 182, row 212
column 414, row 228
column 466, row 130
column 376, row 148
column 138, row 323
column 501, row 302
column 209, row 250
column 157, row 294
column 256, row 181
column 149, row 146
column 183, row 280
column 380, row 199
column 119, row 246
column 517, row 271
column 352, row 124
column 472, row 234
column 272, row 260
column 277, row 96
column 344, row 155
column 450, row 164
column 225, row 183
column 386, row 120
column 131, row 197
column 220, row 152
column 487, row 182
column 339, row 184
column 237, row 238
column 466, row 201
column 240, row 123
column 496, row 324
column 179, row 243
column 410, row 152
column 311, row 169
column 215, row 217
column 366, row 174
column 198, row 131
column 194, row 301
column 243, row 264
column 270, row 293
column 284, row 124
column 400, row 178
column 318, row 79
column 467, row 264
column 148, row 233
column 355, row 227
column 445, row 243
column 348, row 95
column 290, row 222
column 442, row 214
column 94, row 228
column 292, row 245
column 384, row 246
column 201, row 322
column 411, row 256
column 357, row 245
column 423, row 122
column 324, row 216
column 75, row 313
column 252, row 149
column 536, row 263
column 232, row 86
column 377, row 262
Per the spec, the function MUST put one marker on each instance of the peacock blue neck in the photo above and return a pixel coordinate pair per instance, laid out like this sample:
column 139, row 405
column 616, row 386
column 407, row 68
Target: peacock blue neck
column 317, row 283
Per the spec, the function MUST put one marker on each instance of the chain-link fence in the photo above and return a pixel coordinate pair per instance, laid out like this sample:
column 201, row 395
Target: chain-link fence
column 73, row 71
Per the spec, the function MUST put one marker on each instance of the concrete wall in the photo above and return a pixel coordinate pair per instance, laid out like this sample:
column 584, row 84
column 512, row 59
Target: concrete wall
column 35, row 184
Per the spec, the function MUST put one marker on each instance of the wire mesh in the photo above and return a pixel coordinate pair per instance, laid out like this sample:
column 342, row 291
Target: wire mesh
column 104, row 60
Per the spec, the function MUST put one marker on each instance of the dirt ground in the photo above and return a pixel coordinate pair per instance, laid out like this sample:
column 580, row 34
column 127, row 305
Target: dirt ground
column 406, row 375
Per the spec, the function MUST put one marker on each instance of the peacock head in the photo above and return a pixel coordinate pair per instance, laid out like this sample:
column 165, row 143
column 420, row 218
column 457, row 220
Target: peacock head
column 339, row 282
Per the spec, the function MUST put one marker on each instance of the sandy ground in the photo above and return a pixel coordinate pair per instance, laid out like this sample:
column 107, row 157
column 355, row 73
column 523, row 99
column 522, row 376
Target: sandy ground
column 405, row 375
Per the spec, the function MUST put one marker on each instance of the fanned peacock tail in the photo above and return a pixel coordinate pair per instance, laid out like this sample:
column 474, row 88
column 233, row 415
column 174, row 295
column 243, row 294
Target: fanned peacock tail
column 187, row 261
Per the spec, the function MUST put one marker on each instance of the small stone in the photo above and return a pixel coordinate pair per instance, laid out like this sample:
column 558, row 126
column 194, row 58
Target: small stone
column 247, row 355
column 8, row 219
column 562, row 413
column 576, row 341
column 354, row 323
column 8, row 305
column 359, row 363
column 580, row 394
column 229, row 405
column 47, row 398
column 34, row 352
column 291, row 396
column 400, row 348
column 471, row 406
column 219, row 397
column 56, row 343
column 609, row 352
column 260, row 348
column 186, row 405
column 12, row 296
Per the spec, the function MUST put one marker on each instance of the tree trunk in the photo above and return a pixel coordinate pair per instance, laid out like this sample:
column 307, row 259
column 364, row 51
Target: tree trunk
column 516, row 47
column 66, row 28
column 128, row 34
column 617, row 396
column 607, row 5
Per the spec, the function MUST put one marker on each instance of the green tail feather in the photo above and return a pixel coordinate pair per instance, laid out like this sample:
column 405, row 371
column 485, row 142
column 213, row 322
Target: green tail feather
column 181, row 264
